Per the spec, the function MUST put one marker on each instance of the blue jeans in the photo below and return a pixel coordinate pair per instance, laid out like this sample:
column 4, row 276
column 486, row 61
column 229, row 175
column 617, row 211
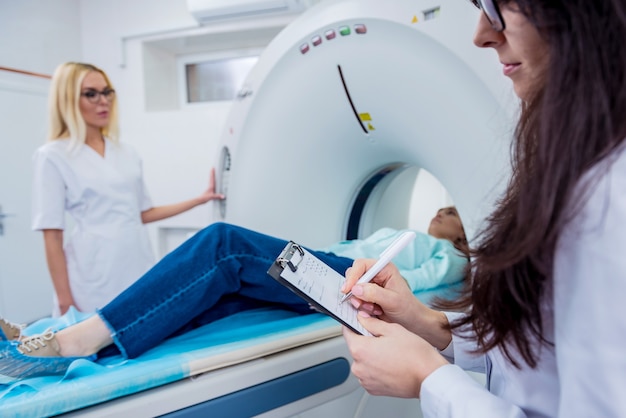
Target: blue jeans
column 217, row 272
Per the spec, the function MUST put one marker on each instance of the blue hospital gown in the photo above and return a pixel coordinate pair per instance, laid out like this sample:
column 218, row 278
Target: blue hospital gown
column 425, row 263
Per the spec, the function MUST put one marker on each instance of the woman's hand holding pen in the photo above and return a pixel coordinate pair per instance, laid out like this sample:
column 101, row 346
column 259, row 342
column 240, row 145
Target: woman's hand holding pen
column 389, row 298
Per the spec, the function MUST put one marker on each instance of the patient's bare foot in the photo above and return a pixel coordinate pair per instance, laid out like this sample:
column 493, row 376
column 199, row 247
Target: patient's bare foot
column 84, row 338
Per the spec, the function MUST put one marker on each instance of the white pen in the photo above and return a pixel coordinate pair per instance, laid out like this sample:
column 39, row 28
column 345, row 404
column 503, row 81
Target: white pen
column 385, row 257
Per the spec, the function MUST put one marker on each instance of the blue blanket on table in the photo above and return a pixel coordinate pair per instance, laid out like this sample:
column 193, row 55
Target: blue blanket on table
column 88, row 383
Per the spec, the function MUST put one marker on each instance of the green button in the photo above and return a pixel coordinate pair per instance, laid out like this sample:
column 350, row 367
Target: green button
column 344, row 30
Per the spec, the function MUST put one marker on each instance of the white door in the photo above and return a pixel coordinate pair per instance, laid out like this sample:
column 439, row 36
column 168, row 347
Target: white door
column 25, row 286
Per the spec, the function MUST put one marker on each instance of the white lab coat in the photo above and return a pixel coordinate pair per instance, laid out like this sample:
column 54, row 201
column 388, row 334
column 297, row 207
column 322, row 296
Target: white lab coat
column 584, row 373
column 109, row 248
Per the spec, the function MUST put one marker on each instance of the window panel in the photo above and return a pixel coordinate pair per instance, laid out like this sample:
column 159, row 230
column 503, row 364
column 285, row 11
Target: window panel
column 217, row 80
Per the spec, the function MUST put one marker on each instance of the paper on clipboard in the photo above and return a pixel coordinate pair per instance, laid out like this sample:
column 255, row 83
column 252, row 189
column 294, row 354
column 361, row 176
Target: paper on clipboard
column 319, row 284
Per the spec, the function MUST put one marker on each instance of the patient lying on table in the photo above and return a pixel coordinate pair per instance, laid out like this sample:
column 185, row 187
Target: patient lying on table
column 219, row 271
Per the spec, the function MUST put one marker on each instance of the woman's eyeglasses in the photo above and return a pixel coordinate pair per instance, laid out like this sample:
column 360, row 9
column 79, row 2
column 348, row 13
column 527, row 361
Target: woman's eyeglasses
column 491, row 11
column 93, row 96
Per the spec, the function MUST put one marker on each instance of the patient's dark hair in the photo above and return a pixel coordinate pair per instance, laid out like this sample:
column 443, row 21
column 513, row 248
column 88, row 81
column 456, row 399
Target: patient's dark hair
column 460, row 243
column 575, row 119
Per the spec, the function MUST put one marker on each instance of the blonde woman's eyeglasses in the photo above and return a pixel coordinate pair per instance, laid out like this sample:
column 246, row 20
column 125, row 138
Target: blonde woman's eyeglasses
column 93, row 96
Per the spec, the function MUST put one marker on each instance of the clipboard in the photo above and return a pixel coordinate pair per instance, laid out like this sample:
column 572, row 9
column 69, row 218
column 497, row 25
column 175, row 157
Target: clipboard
column 317, row 283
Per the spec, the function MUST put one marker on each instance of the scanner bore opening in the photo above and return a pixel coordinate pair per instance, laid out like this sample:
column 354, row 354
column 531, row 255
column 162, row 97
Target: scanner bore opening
column 399, row 196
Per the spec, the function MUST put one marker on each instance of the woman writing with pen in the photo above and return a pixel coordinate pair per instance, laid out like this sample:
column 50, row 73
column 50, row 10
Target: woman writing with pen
column 543, row 315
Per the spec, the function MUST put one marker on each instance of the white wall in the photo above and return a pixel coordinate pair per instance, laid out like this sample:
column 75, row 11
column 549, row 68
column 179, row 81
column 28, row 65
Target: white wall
column 39, row 34
column 36, row 35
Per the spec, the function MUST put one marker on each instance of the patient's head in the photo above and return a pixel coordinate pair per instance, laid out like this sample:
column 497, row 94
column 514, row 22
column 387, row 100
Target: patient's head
column 447, row 225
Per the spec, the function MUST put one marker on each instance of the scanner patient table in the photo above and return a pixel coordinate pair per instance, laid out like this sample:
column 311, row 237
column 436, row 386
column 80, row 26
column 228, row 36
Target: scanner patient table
column 235, row 345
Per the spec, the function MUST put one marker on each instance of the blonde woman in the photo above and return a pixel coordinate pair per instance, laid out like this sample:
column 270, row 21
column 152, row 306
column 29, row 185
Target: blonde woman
column 86, row 171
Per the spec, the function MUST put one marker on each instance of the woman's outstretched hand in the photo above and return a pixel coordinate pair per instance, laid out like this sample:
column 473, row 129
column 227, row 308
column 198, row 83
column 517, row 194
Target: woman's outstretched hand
column 210, row 194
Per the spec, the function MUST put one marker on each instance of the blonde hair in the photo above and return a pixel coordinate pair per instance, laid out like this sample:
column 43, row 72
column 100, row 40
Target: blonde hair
column 65, row 117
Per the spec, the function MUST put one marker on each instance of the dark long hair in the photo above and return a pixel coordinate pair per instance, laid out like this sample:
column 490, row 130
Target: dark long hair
column 576, row 119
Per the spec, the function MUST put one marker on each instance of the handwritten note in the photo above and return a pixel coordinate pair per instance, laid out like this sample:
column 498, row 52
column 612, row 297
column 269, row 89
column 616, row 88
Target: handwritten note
column 322, row 284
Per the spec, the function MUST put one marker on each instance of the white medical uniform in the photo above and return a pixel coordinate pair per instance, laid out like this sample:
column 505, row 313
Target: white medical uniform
column 109, row 247
column 584, row 373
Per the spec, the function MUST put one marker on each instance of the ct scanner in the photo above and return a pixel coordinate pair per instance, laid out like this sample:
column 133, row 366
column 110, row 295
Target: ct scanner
column 348, row 97
column 351, row 93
